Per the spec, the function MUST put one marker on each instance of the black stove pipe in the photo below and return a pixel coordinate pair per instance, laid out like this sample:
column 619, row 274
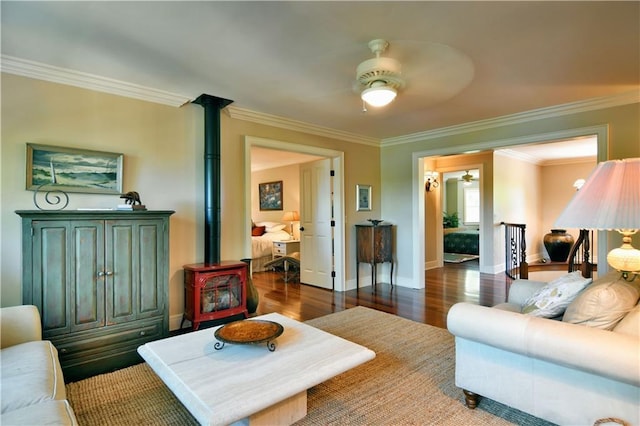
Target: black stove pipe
column 212, row 106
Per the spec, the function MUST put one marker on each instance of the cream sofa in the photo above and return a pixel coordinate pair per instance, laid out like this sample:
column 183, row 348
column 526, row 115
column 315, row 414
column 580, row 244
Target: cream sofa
column 566, row 373
column 32, row 386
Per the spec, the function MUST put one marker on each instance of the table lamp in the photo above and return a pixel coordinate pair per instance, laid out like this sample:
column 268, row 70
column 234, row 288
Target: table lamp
column 291, row 216
column 610, row 199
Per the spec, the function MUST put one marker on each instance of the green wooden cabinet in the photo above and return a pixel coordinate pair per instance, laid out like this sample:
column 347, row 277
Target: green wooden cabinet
column 100, row 281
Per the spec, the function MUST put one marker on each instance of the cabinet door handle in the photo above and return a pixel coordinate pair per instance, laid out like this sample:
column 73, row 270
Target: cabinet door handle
column 301, row 228
column 108, row 273
column 101, row 274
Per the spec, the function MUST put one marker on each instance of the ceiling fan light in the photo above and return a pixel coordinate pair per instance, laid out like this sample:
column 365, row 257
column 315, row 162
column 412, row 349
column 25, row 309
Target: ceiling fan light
column 379, row 96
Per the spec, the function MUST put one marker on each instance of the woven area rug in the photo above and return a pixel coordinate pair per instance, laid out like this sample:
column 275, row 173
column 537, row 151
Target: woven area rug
column 410, row 382
column 458, row 258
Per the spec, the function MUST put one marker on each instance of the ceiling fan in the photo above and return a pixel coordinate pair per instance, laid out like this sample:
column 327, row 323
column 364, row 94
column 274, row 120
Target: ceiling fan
column 467, row 178
column 379, row 79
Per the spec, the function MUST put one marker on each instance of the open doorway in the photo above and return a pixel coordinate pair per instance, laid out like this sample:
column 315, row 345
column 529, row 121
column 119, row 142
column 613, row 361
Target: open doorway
column 461, row 215
column 301, row 154
column 491, row 237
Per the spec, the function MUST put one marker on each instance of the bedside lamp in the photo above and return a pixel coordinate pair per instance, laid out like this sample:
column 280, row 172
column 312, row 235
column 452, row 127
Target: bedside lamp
column 610, row 199
column 291, row 216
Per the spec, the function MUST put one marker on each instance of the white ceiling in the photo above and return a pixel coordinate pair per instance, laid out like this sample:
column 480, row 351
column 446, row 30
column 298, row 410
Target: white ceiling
column 463, row 61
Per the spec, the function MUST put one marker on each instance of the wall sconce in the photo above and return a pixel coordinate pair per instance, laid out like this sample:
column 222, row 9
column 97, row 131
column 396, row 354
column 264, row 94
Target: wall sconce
column 430, row 181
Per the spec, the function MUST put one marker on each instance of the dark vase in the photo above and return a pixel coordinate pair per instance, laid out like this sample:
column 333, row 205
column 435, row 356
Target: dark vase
column 558, row 244
column 252, row 292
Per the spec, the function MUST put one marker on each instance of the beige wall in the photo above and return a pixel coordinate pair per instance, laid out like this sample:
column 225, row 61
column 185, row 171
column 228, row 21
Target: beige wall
column 517, row 199
column 163, row 151
column 401, row 174
column 160, row 144
column 290, row 177
column 164, row 162
column 557, row 190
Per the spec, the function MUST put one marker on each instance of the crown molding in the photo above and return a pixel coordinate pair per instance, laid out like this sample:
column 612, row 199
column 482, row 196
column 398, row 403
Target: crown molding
column 40, row 71
column 298, row 126
column 37, row 70
column 517, row 155
column 620, row 99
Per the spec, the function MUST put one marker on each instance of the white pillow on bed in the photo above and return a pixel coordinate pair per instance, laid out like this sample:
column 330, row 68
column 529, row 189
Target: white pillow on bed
column 267, row 224
column 275, row 228
column 272, row 226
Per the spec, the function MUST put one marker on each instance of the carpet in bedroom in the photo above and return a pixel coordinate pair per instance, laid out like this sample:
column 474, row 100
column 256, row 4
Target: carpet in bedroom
column 458, row 258
column 410, row 382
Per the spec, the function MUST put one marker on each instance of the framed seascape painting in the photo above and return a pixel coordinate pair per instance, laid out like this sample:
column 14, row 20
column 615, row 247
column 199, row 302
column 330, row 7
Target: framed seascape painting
column 74, row 170
column 270, row 194
column 363, row 198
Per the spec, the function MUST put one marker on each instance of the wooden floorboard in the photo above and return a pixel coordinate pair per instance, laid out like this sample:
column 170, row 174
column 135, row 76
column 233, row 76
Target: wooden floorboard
column 461, row 282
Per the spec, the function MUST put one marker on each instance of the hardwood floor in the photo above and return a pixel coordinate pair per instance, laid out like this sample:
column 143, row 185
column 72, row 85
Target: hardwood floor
column 444, row 287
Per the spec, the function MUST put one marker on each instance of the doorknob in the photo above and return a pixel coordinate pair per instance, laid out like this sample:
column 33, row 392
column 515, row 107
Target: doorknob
column 301, row 228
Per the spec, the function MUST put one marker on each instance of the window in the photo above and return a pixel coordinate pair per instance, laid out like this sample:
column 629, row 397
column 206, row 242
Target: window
column 471, row 205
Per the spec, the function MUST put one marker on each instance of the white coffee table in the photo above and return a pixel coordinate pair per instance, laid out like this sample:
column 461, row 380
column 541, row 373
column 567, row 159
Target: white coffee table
column 249, row 383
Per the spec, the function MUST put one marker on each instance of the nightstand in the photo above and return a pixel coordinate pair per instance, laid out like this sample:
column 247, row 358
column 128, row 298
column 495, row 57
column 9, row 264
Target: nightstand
column 284, row 248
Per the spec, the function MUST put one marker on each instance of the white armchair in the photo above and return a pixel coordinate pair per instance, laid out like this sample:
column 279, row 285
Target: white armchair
column 561, row 372
column 19, row 324
column 31, row 380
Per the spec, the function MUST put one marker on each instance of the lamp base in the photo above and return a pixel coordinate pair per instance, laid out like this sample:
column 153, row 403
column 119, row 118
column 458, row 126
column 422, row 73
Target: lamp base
column 625, row 258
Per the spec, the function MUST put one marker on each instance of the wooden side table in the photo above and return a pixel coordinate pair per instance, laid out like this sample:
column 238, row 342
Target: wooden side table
column 373, row 246
column 284, row 248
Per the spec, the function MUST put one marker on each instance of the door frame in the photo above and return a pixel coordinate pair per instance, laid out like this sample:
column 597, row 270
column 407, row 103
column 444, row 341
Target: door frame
column 601, row 131
column 337, row 159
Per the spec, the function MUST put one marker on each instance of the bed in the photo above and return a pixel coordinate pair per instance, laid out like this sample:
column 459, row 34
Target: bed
column 462, row 241
column 262, row 243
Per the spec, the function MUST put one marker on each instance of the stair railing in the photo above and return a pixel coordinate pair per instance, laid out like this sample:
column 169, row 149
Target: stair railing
column 580, row 253
column 516, row 266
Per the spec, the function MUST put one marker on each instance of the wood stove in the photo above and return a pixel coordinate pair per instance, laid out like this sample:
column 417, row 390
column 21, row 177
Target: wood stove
column 213, row 289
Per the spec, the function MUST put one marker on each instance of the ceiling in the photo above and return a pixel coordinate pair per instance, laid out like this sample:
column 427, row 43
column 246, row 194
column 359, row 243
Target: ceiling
column 462, row 61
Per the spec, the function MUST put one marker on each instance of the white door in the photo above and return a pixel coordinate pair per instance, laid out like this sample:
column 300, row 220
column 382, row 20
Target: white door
column 316, row 236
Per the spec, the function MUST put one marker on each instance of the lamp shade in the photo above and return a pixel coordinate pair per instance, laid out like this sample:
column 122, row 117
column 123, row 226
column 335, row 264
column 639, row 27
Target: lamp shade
column 609, row 198
column 379, row 95
column 291, row 216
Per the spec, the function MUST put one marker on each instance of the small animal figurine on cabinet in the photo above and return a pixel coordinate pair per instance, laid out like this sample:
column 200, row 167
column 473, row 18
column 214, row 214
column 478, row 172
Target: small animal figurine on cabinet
column 132, row 198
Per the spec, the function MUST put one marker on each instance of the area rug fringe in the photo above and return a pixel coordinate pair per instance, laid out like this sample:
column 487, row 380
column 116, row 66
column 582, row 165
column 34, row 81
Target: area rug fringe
column 410, row 382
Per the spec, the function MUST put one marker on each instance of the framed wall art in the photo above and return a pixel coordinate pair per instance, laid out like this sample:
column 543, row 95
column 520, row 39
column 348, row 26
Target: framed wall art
column 363, row 198
column 270, row 194
column 74, row 170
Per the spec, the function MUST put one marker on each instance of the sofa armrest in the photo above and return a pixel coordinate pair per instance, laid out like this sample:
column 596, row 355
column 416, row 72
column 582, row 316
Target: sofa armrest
column 602, row 352
column 19, row 324
column 521, row 290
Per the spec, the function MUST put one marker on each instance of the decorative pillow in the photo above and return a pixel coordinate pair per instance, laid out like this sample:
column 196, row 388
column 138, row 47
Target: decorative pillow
column 552, row 299
column 267, row 224
column 257, row 231
column 630, row 324
column 275, row 228
column 603, row 304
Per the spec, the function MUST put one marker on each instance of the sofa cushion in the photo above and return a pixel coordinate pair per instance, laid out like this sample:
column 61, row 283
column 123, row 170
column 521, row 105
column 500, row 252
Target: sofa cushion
column 54, row 412
column 603, row 304
column 32, row 373
column 552, row 299
column 630, row 324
